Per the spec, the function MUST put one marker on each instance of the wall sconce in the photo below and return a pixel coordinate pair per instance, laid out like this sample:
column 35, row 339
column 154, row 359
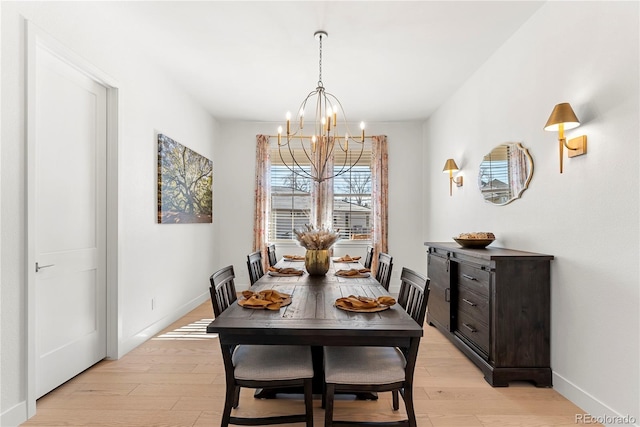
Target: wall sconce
column 562, row 117
column 450, row 166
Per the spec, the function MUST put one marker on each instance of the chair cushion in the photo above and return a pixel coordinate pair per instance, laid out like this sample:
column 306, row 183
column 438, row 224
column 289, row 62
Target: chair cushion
column 363, row 365
column 272, row 362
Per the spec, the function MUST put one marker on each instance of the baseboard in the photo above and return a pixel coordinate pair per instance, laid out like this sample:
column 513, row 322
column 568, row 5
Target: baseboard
column 130, row 343
column 14, row 416
column 593, row 409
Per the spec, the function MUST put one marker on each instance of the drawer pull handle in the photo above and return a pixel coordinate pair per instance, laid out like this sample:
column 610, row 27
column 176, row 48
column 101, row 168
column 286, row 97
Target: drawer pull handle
column 469, row 327
column 466, row 276
column 471, row 303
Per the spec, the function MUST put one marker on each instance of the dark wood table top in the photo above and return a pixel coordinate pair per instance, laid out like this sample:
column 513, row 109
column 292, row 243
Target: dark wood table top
column 312, row 318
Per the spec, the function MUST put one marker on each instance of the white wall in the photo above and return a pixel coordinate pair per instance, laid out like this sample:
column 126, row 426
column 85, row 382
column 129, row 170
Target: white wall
column 234, row 185
column 582, row 52
column 169, row 263
column 585, row 53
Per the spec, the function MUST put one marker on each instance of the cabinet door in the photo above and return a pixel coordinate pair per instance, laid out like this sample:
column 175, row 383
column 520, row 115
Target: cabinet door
column 439, row 306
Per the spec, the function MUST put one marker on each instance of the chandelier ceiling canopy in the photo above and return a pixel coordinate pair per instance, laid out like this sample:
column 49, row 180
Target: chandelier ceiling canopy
column 328, row 148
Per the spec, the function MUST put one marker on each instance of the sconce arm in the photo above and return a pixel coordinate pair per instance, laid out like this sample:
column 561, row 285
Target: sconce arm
column 564, row 142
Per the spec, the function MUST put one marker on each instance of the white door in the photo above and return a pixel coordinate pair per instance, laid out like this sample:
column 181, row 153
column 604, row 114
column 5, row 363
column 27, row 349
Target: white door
column 70, row 221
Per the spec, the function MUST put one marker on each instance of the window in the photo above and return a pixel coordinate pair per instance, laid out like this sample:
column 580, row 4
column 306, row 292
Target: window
column 352, row 202
column 291, row 197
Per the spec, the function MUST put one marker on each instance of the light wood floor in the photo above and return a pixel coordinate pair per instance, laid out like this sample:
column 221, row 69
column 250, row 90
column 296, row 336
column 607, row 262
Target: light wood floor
column 177, row 379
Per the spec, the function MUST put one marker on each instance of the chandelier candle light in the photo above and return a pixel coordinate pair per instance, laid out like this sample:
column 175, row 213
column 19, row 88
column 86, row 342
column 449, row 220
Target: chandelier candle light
column 315, row 158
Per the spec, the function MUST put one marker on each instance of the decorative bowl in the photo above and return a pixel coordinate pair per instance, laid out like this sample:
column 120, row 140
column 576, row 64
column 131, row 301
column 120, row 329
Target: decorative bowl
column 473, row 243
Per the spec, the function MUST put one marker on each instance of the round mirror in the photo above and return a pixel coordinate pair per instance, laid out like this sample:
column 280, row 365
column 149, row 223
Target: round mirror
column 505, row 173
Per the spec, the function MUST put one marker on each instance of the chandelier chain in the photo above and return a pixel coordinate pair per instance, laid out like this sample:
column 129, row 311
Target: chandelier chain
column 320, row 64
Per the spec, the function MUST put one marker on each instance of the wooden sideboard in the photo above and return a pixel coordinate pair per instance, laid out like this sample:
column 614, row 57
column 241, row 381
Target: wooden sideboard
column 494, row 305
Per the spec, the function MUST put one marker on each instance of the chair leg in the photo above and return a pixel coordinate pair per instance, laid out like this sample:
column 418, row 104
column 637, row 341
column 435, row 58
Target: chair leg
column 407, row 395
column 328, row 406
column 236, row 397
column 308, row 401
column 228, row 404
column 396, row 400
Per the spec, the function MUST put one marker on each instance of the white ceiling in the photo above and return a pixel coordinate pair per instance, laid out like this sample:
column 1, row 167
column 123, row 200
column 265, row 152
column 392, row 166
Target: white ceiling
column 385, row 61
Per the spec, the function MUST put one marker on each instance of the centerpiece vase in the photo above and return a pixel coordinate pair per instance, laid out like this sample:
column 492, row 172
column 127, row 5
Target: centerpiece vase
column 317, row 261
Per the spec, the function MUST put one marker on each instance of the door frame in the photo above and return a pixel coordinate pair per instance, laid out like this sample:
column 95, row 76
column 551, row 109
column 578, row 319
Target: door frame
column 36, row 38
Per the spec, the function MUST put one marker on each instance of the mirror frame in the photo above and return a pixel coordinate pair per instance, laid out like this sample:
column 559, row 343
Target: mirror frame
column 526, row 156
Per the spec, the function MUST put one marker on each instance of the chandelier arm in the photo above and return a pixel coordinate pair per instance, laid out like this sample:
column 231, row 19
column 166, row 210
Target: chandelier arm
column 312, row 165
column 337, row 102
column 302, row 173
column 343, row 170
column 319, row 130
column 352, row 141
column 303, row 105
column 293, row 171
column 344, row 121
column 327, row 156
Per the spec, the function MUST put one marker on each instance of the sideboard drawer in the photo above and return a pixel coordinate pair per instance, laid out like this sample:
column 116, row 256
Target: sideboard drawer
column 474, row 278
column 474, row 330
column 477, row 306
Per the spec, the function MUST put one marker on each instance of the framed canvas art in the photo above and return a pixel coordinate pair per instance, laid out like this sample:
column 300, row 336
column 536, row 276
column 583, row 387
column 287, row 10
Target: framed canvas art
column 185, row 181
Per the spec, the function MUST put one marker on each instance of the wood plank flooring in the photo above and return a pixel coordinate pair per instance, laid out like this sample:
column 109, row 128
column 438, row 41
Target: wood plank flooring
column 177, row 379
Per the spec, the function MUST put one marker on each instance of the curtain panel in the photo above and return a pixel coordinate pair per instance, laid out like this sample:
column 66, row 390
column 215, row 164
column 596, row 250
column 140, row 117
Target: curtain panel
column 262, row 198
column 322, row 194
column 379, row 196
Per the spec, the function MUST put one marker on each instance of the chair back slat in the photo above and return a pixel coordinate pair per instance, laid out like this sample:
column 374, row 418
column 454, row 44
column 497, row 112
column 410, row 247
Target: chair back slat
column 271, row 252
column 414, row 294
column 254, row 264
column 222, row 290
column 383, row 272
column 369, row 257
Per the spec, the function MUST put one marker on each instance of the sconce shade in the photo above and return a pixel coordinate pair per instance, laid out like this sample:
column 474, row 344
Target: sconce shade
column 450, row 166
column 562, row 114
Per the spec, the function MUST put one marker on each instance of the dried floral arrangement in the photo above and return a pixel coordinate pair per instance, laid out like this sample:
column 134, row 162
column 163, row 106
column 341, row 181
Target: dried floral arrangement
column 314, row 238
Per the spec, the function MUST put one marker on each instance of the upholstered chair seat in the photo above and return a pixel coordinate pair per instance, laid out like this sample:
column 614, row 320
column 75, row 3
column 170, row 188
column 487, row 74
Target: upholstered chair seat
column 364, row 365
column 272, row 362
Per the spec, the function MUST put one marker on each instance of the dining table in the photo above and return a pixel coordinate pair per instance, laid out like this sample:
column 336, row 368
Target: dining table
column 312, row 316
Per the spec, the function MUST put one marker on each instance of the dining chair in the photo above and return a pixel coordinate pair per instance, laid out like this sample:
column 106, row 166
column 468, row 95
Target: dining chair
column 223, row 289
column 259, row 366
column 383, row 270
column 354, row 369
column 254, row 264
column 271, row 252
column 368, row 259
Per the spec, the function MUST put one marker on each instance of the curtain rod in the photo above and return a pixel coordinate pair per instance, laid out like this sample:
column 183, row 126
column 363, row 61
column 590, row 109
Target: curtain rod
column 309, row 137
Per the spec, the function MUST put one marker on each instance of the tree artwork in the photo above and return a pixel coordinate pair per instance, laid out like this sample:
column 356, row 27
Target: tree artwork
column 184, row 184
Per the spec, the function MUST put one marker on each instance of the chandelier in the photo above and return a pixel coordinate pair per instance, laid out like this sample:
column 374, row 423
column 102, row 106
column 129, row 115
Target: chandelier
column 314, row 155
